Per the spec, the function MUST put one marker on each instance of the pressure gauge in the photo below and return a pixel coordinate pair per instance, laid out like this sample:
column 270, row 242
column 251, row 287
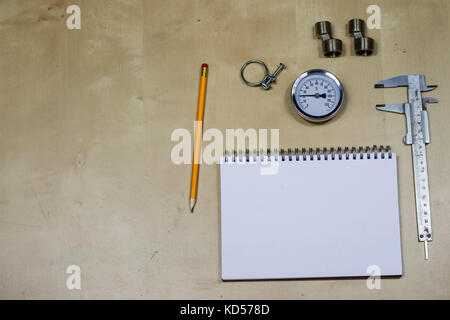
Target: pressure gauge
column 317, row 95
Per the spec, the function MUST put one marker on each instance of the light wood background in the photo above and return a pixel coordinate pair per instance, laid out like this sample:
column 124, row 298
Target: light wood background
column 86, row 118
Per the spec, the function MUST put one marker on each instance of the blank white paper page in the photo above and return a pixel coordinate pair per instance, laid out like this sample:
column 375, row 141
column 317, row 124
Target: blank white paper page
column 312, row 218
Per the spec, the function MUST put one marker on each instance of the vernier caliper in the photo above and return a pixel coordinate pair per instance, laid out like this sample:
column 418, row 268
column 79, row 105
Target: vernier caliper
column 417, row 135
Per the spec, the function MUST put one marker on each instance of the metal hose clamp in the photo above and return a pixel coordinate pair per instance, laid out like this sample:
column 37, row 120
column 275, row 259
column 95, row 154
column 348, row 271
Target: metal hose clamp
column 268, row 78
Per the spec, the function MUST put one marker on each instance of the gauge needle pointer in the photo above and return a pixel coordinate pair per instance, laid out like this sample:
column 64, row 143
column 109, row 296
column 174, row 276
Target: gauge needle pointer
column 323, row 95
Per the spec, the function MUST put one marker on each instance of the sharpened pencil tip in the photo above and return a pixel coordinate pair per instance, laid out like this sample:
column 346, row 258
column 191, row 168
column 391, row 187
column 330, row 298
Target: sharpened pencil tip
column 193, row 202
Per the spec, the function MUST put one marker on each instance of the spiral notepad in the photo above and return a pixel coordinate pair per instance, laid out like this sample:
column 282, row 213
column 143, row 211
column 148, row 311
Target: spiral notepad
column 310, row 213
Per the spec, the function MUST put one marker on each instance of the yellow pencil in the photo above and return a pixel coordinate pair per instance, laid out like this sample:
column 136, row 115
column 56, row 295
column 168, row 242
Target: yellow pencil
column 198, row 135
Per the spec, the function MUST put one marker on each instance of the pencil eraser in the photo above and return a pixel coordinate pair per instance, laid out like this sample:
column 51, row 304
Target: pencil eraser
column 204, row 65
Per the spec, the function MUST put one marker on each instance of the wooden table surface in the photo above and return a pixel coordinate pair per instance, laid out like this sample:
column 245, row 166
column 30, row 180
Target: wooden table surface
column 86, row 118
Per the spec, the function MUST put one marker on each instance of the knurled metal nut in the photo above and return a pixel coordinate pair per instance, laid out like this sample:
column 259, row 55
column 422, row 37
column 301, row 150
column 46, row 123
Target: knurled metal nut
column 364, row 46
column 332, row 48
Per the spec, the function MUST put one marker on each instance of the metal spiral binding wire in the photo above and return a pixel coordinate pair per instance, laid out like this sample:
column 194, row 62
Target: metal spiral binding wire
column 304, row 155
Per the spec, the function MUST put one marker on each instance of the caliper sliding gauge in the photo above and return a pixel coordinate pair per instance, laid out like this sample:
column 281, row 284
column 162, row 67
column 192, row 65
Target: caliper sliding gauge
column 417, row 135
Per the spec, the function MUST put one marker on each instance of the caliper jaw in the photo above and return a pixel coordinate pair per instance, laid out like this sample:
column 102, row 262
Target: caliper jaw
column 392, row 107
column 403, row 81
column 405, row 108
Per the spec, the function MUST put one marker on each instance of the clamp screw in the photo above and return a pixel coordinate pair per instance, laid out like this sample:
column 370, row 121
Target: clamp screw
column 269, row 78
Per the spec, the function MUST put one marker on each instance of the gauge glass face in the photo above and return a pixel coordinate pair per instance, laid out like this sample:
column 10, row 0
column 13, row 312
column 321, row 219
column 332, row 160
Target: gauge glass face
column 317, row 94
